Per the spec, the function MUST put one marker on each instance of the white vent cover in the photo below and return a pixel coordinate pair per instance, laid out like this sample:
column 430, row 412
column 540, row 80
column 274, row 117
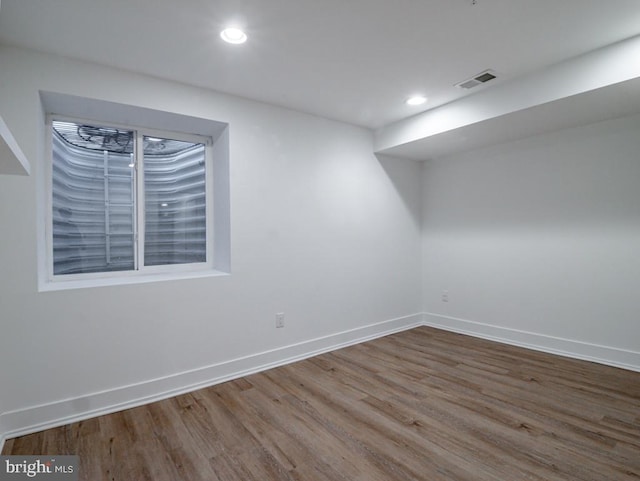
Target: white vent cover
column 481, row 78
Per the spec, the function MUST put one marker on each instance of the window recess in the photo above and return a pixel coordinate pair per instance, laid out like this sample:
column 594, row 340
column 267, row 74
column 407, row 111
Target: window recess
column 128, row 200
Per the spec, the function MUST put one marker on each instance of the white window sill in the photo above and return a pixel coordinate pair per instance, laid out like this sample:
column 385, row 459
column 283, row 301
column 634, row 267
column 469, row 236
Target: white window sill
column 60, row 285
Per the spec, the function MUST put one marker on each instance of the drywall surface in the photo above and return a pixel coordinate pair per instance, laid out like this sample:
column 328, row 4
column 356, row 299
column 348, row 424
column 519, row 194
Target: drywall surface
column 594, row 70
column 321, row 230
column 538, row 241
column 12, row 160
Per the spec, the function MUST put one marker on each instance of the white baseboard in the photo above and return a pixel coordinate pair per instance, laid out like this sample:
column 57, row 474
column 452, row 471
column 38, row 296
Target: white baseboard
column 58, row 413
column 607, row 355
column 37, row 418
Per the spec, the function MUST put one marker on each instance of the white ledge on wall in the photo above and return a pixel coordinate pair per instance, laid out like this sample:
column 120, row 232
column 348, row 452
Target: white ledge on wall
column 599, row 85
column 121, row 278
column 12, row 160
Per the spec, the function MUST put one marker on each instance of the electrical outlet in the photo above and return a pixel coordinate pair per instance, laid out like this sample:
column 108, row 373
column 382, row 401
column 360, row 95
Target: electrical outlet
column 445, row 296
column 279, row 319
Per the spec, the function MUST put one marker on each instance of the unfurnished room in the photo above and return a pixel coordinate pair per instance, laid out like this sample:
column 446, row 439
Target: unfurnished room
column 287, row 240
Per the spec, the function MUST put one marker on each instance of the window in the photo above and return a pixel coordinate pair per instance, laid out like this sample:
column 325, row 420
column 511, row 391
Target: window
column 133, row 195
column 128, row 201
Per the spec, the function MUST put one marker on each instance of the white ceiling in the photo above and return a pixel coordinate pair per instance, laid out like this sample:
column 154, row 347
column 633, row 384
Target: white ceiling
column 351, row 60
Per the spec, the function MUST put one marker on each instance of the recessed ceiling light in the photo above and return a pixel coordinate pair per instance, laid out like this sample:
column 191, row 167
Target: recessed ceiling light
column 416, row 100
column 233, row 35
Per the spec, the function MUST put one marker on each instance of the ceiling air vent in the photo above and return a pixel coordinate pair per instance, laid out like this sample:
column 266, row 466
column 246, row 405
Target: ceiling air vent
column 479, row 79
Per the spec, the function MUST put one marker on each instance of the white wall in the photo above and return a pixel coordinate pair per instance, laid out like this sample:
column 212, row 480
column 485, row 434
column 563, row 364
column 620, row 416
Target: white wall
column 321, row 229
column 538, row 242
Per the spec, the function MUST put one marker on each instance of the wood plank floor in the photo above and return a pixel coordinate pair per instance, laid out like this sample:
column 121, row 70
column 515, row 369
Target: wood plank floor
column 421, row 405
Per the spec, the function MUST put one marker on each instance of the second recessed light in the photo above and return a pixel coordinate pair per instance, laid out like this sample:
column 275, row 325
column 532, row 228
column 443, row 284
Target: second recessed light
column 233, row 35
column 416, row 100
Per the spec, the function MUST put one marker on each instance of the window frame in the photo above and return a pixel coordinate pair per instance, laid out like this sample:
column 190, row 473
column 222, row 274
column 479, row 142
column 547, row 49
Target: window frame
column 140, row 273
